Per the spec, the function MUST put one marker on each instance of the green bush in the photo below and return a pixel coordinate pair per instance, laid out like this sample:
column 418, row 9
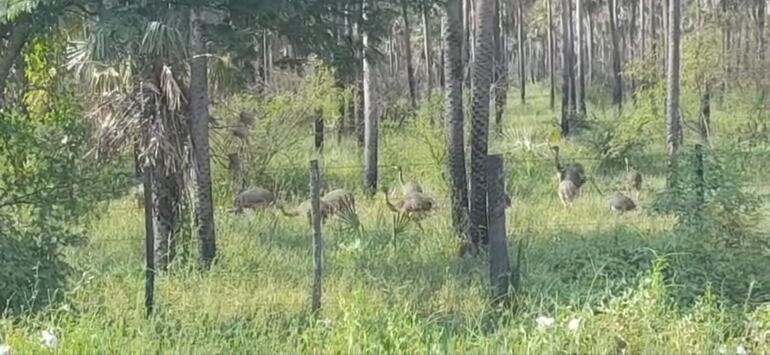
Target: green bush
column 46, row 188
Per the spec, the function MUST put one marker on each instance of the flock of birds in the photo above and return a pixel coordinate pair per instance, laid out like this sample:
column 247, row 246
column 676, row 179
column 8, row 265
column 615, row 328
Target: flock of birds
column 415, row 204
column 572, row 177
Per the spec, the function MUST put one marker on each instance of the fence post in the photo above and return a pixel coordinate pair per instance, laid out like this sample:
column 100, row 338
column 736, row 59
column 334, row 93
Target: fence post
column 499, row 259
column 315, row 202
column 700, row 175
column 318, row 130
column 149, row 245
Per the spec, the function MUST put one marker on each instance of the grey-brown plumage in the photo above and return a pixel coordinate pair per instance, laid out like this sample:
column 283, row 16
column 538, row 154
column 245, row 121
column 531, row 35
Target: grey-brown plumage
column 306, row 208
column 253, row 198
column 247, row 118
column 621, row 203
column 416, row 205
column 341, row 201
column 573, row 172
column 568, row 192
column 407, row 187
column 240, row 132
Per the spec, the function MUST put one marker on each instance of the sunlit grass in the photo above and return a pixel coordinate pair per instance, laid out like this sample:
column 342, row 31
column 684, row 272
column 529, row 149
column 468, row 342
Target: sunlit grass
column 620, row 275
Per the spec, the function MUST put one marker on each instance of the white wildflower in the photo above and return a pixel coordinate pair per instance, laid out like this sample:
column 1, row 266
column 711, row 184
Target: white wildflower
column 574, row 324
column 741, row 350
column 5, row 350
column 545, row 322
column 722, row 349
column 49, row 339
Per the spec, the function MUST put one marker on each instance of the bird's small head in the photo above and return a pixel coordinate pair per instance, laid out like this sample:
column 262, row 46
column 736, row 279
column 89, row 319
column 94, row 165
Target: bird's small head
column 555, row 148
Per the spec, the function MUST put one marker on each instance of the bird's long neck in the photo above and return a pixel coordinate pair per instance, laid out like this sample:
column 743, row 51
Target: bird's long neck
column 387, row 202
column 401, row 176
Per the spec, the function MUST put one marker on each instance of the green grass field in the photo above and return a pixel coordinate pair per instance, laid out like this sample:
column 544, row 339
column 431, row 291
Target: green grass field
column 635, row 284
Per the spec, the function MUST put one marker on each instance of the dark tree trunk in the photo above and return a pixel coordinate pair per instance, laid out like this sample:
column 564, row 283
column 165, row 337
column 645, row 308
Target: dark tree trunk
column 580, row 89
column 566, row 57
column 453, row 107
column 551, row 56
column 17, row 38
column 482, row 77
column 522, row 64
column 427, row 48
column 199, row 108
column 617, row 81
column 408, row 54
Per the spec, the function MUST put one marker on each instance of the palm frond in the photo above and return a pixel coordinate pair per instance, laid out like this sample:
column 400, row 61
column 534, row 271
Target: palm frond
column 170, row 89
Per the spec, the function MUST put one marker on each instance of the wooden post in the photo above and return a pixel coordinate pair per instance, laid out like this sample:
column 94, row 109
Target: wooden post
column 499, row 259
column 149, row 244
column 315, row 202
column 318, row 130
column 700, row 175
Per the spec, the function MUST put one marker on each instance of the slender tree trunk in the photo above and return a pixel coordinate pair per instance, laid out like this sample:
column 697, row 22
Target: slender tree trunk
column 653, row 31
column 371, row 130
column 453, row 106
column 17, row 38
column 199, row 108
column 725, row 44
column 482, row 77
column 642, row 29
column 442, row 60
column 704, row 124
column 617, row 82
column 427, row 48
column 674, row 136
column 522, row 60
column 266, row 64
column 551, row 57
column 408, row 54
column 760, row 19
column 571, row 71
column 500, row 67
column 631, row 41
column 581, row 88
column 565, row 68
column 590, row 48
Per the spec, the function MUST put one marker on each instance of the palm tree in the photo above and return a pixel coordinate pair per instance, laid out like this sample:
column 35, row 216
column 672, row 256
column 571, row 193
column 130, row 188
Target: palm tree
column 109, row 67
column 580, row 89
column 370, row 118
column 199, row 134
column 617, row 80
column 453, row 107
column 408, row 53
column 674, row 136
column 482, row 79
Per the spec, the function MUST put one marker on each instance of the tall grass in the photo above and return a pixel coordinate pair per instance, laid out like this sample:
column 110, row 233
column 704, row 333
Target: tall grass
column 635, row 284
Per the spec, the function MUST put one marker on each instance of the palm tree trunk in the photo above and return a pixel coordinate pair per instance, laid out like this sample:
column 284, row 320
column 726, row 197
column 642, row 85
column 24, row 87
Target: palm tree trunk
column 482, row 77
column 551, row 56
column 17, row 38
column 590, row 48
column 453, row 106
column 199, row 108
column 674, row 135
column 427, row 48
column 617, row 82
column 370, row 118
column 522, row 63
column 566, row 60
column 500, row 67
column 408, row 54
column 580, row 89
